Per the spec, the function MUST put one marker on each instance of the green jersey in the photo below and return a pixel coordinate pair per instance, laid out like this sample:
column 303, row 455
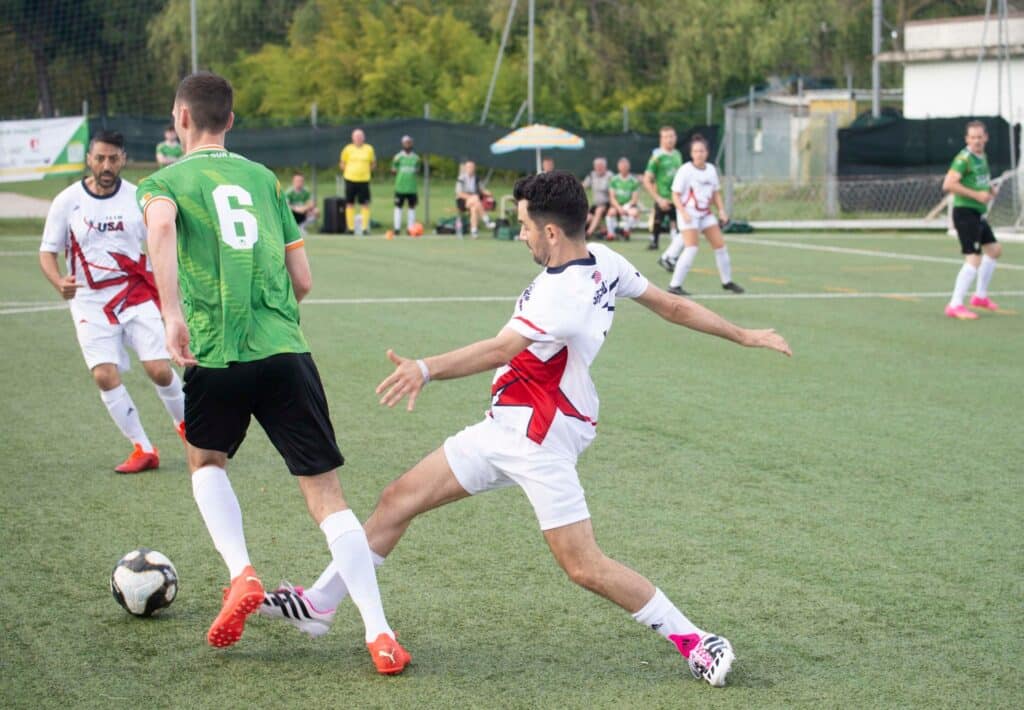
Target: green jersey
column 233, row 227
column 664, row 165
column 406, row 166
column 174, row 151
column 974, row 175
column 623, row 187
column 296, row 197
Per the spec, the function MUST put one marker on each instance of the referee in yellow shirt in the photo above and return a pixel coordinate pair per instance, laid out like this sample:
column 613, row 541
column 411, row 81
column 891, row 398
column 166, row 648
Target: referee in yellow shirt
column 357, row 163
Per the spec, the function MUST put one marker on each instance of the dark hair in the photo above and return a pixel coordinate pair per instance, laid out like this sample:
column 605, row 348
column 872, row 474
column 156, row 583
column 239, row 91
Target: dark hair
column 666, row 128
column 108, row 137
column 698, row 138
column 169, row 127
column 209, row 99
column 976, row 124
column 556, row 197
column 298, row 173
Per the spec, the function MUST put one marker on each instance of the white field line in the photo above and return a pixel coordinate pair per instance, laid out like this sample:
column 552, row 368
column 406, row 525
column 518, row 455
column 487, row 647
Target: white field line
column 8, row 308
column 860, row 252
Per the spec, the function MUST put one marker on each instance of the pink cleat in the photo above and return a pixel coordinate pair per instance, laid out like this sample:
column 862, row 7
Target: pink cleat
column 984, row 302
column 960, row 312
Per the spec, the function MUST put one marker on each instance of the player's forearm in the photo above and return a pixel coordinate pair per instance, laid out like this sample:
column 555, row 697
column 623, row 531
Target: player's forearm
column 719, row 203
column 648, row 184
column 163, row 254
column 469, row 360
column 48, row 265
column 677, row 201
column 694, row 316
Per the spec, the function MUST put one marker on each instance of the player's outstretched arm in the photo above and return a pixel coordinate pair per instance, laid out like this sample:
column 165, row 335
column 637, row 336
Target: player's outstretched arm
column 162, row 245
column 410, row 375
column 685, row 312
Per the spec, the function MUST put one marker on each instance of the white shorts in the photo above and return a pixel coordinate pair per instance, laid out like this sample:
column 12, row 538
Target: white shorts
column 103, row 342
column 698, row 220
column 488, row 456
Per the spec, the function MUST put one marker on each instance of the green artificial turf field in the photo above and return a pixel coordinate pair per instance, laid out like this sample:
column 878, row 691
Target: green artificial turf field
column 850, row 518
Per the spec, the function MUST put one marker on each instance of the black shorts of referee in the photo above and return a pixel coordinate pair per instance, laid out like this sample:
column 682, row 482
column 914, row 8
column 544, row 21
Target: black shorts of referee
column 357, row 193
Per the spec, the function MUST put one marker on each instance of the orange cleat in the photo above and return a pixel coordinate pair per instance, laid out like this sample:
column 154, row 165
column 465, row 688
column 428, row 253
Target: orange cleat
column 388, row 655
column 139, row 461
column 181, row 432
column 243, row 598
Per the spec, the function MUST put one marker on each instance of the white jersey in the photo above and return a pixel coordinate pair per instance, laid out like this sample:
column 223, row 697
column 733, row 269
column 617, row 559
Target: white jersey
column 101, row 238
column 545, row 392
column 696, row 187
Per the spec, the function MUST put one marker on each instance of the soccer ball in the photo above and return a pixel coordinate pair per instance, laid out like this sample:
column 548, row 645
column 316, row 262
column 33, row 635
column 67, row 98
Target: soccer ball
column 416, row 230
column 144, row 581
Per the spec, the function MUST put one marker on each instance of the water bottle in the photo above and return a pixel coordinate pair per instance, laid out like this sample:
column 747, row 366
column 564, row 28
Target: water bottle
column 458, row 225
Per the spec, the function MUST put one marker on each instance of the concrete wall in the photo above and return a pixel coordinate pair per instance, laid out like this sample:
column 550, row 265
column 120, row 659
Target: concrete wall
column 943, row 89
column 960, row 33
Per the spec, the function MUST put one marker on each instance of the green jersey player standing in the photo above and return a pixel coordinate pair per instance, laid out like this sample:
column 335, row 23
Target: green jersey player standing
column 221, row 230
column 661, row 169
column 405, row 165
column 969, row 181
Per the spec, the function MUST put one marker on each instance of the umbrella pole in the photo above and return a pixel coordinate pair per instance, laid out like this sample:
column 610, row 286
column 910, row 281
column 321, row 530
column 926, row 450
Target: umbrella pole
column 538, row 160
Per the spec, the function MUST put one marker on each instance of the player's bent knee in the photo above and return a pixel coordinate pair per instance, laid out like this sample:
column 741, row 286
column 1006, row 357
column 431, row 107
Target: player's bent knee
column 106, row 376
column 159, row 371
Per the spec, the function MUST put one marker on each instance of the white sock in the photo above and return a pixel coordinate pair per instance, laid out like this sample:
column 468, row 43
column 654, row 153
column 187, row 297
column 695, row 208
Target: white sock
column 398, row 219
column 329, row 590
column 222, row 515
column 610, row 224
column 724, row 264
column 173, row 398
column 126, row 416
column 963, row 282
column 675, row 247
column 683, row 266
column 661, row 615
column 351, row 553
column 985, row 271
column 410, row 217
column 629, row 223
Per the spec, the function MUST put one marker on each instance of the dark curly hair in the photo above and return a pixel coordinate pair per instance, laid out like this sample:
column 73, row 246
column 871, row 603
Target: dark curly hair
column 556, row 197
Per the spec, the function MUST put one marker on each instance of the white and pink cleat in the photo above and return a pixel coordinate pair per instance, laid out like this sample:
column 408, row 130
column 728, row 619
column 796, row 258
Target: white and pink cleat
column 710, row 657
column 984, row 302
column 960, row 312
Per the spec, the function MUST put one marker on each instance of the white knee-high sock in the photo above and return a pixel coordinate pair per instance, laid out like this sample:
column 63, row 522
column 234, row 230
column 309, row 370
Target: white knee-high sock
column 611, row 223
column 683, row 266
column 675, row 247
column 662, row 616
column 352, row 561
column 398, row 219
column 630, row 222
column 222, row 515
column 122, row 410
column 964, row 279
column 173, row 398
column 410, row 217
column 329, row 590
column 985, row 271
column 724, row 264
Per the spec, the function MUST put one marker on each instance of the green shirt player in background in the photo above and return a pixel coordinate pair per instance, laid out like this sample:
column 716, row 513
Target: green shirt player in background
column 168, row 150
column 623, row 195
column 661, row 169
column 220, row 229
column 970, row 183
column 405, row 165
column 300, row 202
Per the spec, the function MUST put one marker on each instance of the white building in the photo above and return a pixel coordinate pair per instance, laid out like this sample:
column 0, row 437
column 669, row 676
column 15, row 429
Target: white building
column 940, row 64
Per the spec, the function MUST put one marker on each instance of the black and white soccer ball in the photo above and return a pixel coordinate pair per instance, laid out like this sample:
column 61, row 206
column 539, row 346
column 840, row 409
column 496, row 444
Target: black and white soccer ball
column 144, row 581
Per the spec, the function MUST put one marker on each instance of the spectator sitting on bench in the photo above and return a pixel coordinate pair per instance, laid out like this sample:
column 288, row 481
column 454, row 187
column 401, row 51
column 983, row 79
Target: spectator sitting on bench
column 597, row 182
column 300, row 202
column 470, row 196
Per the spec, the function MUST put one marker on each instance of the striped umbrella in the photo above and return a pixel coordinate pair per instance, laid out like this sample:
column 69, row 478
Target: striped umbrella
column 537, row 137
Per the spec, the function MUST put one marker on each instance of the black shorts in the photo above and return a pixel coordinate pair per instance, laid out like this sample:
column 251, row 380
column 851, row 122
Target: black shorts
column 285, row 395
column 460, row 204
column 299, row 217
column 973, row 230
column 357, row 193
column 593, row 208
column 663, row 218
column 409, row 198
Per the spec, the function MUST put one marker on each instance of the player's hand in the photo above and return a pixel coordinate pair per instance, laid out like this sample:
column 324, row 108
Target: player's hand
column 985, row 197
column 687, row 219
column 663, row 204
column 723, row 217
column 407, row 379
column 67, row 287
column 177, row 342
column 767, row 339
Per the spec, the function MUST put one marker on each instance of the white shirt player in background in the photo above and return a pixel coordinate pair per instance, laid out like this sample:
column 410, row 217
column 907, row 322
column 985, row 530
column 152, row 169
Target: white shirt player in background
column 544, row 413
column 694, row 189
column 97, row 225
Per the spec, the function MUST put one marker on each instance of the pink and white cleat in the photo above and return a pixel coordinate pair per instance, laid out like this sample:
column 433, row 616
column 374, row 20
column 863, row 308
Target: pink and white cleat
column 960, row 312
column 984, row 302
column 710, row 657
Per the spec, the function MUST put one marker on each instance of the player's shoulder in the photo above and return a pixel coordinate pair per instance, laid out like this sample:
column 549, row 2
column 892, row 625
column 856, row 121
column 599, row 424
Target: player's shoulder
column 605, row 255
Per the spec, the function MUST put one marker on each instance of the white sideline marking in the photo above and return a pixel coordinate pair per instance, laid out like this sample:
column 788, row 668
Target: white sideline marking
column 860, row 252
column 8, row 308
column 19, row 253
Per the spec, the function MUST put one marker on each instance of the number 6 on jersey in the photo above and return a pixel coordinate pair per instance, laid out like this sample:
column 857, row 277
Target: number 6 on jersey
column 232, row 217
